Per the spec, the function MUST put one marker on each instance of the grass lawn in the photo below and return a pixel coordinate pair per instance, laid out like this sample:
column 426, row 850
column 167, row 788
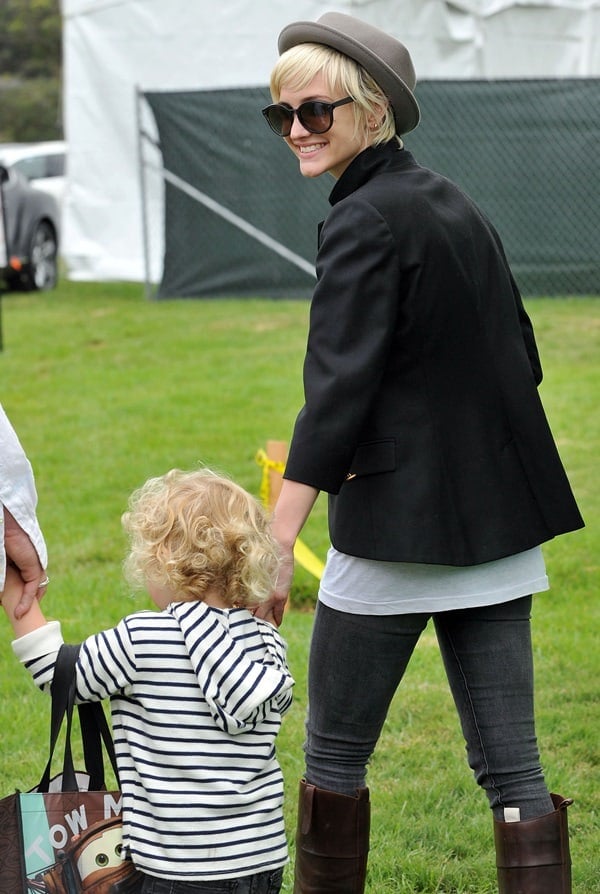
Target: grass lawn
column 106, row 389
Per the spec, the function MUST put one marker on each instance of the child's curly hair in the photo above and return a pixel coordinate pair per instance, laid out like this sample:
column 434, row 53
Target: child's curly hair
column 198, row 531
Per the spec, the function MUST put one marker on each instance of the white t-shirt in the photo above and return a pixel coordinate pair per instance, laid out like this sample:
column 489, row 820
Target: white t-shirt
column 370, row 587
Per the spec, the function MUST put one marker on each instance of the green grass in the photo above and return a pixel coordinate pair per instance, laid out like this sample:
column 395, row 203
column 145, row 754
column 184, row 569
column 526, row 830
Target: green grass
column 106, row 389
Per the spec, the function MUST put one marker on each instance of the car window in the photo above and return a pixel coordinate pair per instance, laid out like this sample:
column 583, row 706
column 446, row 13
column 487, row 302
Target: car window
column 31, row 167
column 38, row 167
column 56, row 165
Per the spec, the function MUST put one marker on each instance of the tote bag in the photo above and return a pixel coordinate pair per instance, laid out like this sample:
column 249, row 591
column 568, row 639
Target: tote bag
column 64, row 836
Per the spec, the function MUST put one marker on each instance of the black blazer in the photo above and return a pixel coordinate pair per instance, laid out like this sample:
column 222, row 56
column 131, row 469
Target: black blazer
column 422, row 418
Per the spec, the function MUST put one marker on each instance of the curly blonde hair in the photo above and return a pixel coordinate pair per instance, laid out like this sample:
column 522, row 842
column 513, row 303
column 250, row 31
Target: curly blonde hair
column 195, row 532
column 297, row 67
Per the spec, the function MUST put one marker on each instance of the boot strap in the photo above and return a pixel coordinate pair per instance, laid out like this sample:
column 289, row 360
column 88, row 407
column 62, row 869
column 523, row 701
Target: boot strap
column 543, row 841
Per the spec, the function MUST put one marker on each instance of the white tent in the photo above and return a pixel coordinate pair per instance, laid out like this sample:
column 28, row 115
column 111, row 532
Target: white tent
column 112, row 47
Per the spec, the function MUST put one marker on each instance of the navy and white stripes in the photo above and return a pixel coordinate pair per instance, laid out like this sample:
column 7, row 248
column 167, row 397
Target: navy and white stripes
column 197, row 695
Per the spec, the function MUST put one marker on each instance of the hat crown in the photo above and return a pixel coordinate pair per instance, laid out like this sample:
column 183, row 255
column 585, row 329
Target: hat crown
column 381, row 55
column 387, row 48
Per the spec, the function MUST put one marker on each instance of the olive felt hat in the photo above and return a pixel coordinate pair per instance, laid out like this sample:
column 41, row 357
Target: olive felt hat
column 382, row 56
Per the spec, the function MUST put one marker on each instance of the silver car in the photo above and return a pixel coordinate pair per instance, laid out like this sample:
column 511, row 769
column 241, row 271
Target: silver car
column 31, row 228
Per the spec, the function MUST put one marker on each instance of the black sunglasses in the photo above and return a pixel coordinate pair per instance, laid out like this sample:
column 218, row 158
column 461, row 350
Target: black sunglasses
column 314, row 115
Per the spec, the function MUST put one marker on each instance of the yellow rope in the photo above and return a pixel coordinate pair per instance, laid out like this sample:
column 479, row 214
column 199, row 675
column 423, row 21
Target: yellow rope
column 268, row 465
column 302, row 553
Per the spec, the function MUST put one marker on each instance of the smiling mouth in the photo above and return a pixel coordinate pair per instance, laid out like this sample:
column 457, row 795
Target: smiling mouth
column 305, row 150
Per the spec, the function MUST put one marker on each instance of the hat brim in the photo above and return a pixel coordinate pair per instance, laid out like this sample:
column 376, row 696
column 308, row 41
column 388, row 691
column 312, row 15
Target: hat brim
column 403, row 102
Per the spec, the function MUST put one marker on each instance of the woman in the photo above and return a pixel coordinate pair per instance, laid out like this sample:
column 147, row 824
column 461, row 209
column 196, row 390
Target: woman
column 423, row 423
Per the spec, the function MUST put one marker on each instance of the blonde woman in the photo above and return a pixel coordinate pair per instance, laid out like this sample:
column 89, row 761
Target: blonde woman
column 423, row 424
column 197, row 688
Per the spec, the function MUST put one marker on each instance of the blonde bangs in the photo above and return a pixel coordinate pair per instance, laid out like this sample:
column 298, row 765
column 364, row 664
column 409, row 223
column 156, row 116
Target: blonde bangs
column 298, row 66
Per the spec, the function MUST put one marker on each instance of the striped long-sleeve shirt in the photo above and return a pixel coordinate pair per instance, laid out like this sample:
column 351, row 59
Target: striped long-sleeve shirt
column 197, row 695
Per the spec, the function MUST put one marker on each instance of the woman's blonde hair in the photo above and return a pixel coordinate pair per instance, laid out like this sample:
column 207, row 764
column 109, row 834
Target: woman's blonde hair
column 297, row 67
column 198, row 531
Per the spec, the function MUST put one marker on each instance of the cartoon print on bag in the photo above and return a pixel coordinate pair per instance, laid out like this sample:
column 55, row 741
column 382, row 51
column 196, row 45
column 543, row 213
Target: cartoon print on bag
column 91, row 863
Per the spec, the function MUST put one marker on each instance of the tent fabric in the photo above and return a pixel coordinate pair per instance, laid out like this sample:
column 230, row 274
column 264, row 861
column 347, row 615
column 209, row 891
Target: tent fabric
column 524, row 150
column 113, row 47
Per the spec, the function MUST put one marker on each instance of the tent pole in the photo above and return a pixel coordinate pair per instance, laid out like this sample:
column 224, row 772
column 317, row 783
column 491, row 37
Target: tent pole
column 143, row 195
column 4, row 254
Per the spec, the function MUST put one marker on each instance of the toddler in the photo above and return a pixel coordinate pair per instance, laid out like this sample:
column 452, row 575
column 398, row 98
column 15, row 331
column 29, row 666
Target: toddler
column 197, row 688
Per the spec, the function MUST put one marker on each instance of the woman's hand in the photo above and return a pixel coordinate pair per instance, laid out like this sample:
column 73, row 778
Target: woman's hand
column 293, row 507
column 22, row 554
column 272, row 610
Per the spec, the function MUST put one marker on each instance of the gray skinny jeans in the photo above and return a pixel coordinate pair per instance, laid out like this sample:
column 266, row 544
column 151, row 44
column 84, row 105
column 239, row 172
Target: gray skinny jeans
column 357, row 663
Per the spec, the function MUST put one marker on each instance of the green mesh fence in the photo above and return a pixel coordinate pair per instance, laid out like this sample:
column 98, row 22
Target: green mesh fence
column 241, row 220
column 526, row 151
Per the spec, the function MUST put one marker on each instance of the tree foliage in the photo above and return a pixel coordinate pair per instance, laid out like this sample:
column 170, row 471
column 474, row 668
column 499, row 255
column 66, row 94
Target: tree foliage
column 30, row 66
column 30, row 38
column 30, row 110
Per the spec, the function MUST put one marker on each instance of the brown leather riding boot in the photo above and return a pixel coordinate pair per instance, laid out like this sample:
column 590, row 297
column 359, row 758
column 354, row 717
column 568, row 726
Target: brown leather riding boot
column 533, row 856
column 332, row 841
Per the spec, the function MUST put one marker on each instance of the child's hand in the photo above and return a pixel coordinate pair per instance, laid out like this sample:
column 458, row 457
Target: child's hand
column 10, row 599
column 13, row 589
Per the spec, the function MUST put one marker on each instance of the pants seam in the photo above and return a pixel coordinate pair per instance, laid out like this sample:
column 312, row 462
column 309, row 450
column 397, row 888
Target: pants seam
column 463, row 677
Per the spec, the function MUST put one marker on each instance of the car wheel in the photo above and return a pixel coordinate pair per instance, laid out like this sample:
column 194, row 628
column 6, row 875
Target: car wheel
column 42, row 270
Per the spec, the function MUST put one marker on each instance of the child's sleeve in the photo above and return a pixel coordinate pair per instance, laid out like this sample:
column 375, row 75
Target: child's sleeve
column 277, row 656
column 37, row 651
column 105, row 664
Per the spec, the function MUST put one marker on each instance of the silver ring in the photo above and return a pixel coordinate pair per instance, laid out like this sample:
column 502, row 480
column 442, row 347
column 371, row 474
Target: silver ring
column 44, row 583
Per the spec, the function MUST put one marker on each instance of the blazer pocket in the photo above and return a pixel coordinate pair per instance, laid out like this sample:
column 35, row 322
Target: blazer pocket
column 373, row 458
